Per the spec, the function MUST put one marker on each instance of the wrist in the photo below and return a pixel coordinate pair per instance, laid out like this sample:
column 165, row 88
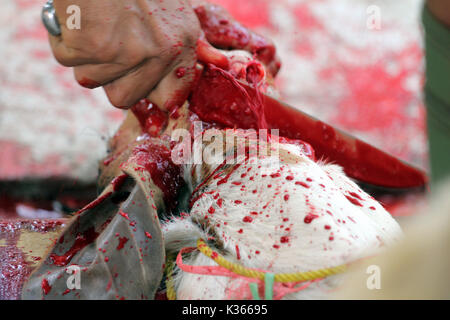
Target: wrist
column 440, row 10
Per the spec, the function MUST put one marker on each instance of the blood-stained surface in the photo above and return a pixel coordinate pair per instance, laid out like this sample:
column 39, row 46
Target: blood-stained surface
column 340, row 67
column 336, row 65
column 49, row 125
column 24, row 241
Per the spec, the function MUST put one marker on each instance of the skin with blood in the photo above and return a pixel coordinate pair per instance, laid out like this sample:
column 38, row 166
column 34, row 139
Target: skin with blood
column 81, row 241
column 219, row 98
column 88, row 83
column 226, row 33
column 16, row 264
column 299, row 204
column 156, row 159
column 151, row 118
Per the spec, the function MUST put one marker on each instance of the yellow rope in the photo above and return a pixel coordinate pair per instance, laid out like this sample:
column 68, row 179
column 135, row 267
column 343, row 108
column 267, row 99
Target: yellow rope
column 280, row 277
column 171, row 293
column 250, row 273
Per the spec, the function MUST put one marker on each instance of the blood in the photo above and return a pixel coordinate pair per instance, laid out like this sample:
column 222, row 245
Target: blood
column 157, row 161
column 89, row 83
column 94, row 203
column 255, row 13
column 118, row 181
column 151, row 118
column 46, row 287
column 110, row 159
column 306, row 20
column 227, row 34
column 180, row 72
column 15, row 266
column 219, row 98
column 284, row 239
column 81, row 241
column 310, row 217
column 301, row 183
column 225, row 179
column 193, row 199
column 124, row 214
column 122, row 242
column 359, row 159
column 355, row 195
column 353, row 200
column 66, row 292
column 254, row 73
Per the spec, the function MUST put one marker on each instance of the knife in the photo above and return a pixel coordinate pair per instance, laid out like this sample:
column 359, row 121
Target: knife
column 217, row 91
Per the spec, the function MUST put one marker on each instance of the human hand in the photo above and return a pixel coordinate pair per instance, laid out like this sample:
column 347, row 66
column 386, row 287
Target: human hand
column 223, row 32
column 440, row 9
column 133, row 48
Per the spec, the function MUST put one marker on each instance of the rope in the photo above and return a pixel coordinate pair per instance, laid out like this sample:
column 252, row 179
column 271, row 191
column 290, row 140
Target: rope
column 170, row 288
column 260, row 275
column 230, row 268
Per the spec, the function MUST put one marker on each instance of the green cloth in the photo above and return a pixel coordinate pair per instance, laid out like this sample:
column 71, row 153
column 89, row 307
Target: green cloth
column 437, row 95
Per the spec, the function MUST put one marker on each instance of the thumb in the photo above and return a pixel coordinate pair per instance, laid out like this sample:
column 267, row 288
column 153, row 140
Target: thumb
column 207, row 54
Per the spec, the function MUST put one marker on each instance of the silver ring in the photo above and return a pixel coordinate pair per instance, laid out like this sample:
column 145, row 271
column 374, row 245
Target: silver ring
column 50, row 20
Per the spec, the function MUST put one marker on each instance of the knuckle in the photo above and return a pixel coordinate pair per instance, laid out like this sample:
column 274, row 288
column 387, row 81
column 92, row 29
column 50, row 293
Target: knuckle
column 102, row 51
column 83, row 78
column 64, row 58
column 118, row 97
column 97, row 47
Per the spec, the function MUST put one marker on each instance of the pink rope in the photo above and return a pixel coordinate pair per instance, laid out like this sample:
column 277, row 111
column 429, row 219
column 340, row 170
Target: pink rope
column 241, row 291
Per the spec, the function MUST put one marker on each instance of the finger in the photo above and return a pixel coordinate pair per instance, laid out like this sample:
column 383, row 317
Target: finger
column 206, row 53
column 66, row 56
column 129, row 89
column 222, row 31
column 96, row 75
column 173, row 90
column 68, row 47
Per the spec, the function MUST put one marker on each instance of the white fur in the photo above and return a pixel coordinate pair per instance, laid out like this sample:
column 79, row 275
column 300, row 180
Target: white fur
column 343, row 232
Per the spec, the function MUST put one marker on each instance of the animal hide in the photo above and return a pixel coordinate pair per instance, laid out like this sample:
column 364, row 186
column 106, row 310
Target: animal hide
column 282, row 212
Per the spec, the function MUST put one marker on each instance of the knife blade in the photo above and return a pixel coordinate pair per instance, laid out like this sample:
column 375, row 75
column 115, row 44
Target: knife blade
column 359, row 159
column 217, row 94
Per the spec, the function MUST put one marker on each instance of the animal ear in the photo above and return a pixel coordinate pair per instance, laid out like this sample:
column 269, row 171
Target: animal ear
column 115, row 244
column 120, row 147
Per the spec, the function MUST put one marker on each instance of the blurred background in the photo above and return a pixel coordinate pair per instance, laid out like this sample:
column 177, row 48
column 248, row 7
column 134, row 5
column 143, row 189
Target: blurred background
column 337, row 65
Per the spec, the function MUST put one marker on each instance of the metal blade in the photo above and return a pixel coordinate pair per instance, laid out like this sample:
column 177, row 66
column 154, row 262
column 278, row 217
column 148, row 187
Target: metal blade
column 217, row 94
column 359, row 159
